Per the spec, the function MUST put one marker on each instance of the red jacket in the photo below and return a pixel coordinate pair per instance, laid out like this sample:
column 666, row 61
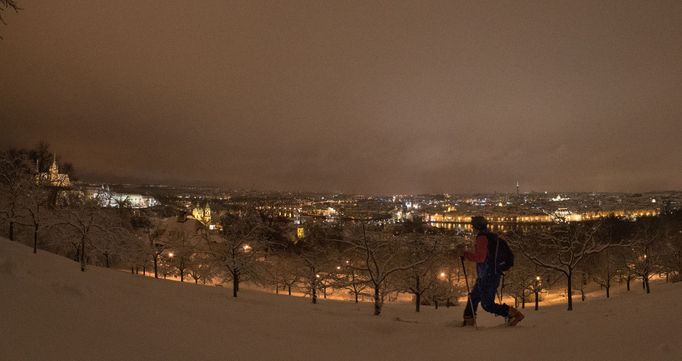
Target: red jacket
column 480, row 250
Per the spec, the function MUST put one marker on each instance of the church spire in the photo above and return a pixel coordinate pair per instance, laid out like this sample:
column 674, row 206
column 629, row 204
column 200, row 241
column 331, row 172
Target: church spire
column 54, row 169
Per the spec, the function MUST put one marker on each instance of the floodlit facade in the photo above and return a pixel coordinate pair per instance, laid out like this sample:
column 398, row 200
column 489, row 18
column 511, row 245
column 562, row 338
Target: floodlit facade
column 52, row 178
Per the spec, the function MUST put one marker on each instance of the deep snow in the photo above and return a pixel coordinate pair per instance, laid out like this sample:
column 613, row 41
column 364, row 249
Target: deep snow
column 49, row 310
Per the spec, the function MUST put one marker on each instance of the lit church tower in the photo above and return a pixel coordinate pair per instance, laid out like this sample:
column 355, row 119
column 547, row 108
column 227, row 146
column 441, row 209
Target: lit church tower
column 52, row 177
column 202, row 215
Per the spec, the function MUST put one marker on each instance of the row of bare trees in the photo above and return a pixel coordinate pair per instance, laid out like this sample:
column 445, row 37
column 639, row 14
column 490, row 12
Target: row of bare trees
column 601, row 251
column 61, row 220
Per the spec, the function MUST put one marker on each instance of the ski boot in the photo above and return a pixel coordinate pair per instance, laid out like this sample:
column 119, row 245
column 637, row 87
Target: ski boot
column 514, row 317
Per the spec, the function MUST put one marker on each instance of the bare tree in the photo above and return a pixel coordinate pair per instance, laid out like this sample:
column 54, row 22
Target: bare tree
column 203, row 267
column 314, row 254
column 647, row 250
column 421, row 276
column 37, row 208
column 7, row 4
column 87, row 223
column 152, row 233
column 15, row 178
column 352, row 280
column 672, row 249
column 562, row 247
column 181, row 251
column 239, row 245
column 519, row 280
column 282, row 270
column 380, row 254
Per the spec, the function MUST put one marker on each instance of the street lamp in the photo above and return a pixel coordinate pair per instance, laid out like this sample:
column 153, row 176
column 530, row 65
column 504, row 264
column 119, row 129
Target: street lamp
column 537, row 291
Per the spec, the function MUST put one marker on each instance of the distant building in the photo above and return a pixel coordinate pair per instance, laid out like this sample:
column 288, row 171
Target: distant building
column 52, row 178
column 202, row 215
column 106, row 198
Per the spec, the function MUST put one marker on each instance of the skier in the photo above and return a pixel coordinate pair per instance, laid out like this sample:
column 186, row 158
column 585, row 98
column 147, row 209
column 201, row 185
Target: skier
column 487, row 276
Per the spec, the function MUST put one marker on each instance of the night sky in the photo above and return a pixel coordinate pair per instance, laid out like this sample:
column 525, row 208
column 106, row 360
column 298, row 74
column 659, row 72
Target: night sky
column 353, row 96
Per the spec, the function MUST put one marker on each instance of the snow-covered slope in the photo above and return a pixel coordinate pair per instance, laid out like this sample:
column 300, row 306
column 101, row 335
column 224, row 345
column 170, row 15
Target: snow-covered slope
column 49, row 310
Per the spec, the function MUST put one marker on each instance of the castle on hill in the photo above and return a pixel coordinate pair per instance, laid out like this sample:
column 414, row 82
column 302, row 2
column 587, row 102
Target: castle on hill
column 52, row 178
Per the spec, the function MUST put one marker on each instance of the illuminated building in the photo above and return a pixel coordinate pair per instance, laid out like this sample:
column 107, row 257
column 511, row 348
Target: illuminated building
column 52, row 178
column 202, row 215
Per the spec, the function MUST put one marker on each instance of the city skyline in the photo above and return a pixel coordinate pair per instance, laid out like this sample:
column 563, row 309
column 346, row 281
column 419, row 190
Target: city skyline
column 356, row 98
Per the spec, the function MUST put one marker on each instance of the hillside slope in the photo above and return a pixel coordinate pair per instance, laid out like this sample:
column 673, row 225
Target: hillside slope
column 49, row 310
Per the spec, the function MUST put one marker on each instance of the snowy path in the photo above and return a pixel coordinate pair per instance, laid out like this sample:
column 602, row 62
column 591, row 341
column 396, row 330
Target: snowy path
column 49, row 310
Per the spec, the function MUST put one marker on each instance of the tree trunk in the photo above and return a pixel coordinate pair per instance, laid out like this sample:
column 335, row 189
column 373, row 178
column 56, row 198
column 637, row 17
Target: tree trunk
column 35, row 238
column 156, row 266
column 417, row 295
column 646, row 283
column 627, row 282
column 289, row 289
column 570, row 290
column 608, row 295
column 377, row 301
column 536, row 299
column 182, row 275
column 106, row 259
column 235, row 282
column 82, row 254
column 11, row 231
column 314, row 292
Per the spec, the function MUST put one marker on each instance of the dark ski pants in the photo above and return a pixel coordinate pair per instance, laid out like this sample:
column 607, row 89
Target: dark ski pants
column 484, row 293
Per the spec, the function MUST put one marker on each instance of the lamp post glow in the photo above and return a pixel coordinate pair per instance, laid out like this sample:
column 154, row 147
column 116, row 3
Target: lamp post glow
column 537, row 291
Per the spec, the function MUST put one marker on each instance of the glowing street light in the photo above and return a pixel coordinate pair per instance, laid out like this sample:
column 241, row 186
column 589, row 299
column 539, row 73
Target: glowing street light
column 247, row 248
column 536, row 289
column 171, row 254
column 338, row 267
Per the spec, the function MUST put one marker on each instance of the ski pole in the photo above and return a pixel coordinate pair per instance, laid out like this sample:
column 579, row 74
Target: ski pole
column 466, row 281
column 500, row 293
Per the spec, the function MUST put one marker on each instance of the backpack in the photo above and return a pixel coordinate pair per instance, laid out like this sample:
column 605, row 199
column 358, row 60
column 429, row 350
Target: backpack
column 500, row 255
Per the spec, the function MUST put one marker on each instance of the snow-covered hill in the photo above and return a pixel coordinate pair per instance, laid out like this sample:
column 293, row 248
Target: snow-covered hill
column 49, row 310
